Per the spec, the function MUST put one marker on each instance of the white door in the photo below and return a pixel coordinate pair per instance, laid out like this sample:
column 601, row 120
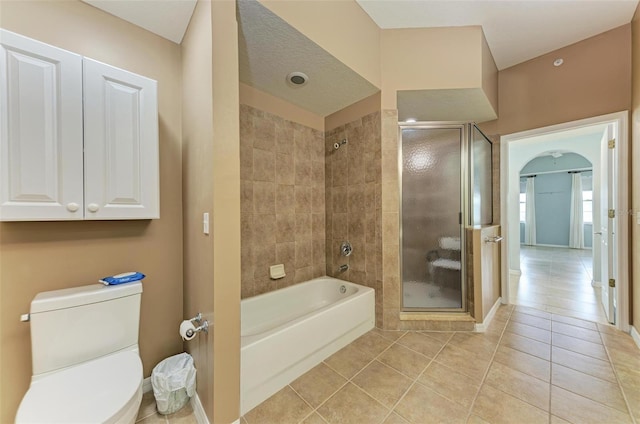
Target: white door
column 121, row 144
column 40, row 131
column 608, row 226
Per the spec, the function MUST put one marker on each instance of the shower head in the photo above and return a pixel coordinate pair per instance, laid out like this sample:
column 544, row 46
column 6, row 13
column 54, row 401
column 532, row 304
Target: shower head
column 336, row 146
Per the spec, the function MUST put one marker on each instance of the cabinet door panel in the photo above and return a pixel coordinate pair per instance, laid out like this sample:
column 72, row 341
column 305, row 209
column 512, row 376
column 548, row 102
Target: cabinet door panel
column 40, row 131
column 121, row 144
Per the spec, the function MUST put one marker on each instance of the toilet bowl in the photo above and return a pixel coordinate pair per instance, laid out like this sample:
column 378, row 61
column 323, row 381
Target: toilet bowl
column 86, row 362
column 105, row 390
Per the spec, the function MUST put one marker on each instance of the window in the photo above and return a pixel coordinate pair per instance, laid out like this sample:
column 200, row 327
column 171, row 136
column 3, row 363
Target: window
column 523, row 207
column 587, row 206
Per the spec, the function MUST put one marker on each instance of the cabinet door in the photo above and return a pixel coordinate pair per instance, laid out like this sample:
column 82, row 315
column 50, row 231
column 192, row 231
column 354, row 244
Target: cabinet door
column 120, row 144
column 40, row 131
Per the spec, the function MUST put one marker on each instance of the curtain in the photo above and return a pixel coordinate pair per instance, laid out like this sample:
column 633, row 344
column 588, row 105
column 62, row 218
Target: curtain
column 576, row 224
column 530, row 214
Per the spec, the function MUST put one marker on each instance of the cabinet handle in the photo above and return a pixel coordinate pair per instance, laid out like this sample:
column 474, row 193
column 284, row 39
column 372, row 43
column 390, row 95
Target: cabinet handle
column 72, row 207
column 93, row 207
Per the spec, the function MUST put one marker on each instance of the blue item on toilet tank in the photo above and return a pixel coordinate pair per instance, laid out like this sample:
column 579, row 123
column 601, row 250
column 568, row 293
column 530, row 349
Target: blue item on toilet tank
column 126, row 277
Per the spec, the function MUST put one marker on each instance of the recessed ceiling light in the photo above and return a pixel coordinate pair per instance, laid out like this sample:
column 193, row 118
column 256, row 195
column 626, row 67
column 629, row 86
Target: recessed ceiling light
column 558, row 62
column 297, row 79
column 410, row 120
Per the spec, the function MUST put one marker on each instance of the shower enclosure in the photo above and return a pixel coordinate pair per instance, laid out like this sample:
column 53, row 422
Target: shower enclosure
column 445, row 185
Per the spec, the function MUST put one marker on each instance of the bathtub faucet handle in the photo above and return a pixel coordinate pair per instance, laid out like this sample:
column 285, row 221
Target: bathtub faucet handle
column 343, row 268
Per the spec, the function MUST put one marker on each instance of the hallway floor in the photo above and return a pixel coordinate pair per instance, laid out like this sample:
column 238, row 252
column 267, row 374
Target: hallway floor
column 557, row 280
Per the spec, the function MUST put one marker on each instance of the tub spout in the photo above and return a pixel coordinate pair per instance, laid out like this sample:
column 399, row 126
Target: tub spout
column 343, row 268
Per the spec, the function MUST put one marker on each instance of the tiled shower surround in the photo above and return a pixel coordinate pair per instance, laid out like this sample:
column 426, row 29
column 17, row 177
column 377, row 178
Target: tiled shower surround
column 353, row 200
column 282, row 201
column 301, row 199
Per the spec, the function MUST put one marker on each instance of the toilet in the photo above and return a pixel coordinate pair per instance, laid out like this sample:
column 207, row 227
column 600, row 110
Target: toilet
column 86, row 362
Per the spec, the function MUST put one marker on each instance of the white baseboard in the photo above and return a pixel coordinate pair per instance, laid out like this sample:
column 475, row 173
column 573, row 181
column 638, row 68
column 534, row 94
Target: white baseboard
column 481, row 328
column 635, row 335
column 146, row 385
column 198, row 410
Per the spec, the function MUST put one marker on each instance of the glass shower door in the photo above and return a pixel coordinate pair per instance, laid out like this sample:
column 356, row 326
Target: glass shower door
column 431, row 218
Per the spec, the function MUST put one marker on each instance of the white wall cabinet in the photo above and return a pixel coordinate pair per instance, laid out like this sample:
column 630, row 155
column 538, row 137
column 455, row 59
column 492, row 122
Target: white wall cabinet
column 78, row 138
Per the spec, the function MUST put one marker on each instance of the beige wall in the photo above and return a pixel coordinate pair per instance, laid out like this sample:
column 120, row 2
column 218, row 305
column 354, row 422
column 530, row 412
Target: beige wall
column 342, row 28
column 197, row 182
column 353, row 187
column 594, row 80
column 226, row 213
column 635, row 172
column 40, row 256
column 275, row 105
column 429, row 58
column 282, row 206
column 353, row 112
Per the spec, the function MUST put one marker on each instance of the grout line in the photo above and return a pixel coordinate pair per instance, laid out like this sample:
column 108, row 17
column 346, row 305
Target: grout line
column 484, row 377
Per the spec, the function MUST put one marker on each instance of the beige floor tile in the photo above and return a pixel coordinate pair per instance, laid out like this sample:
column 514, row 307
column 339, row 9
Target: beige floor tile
column 520, row 385
column 558, row 420
column 404, row 360
column 372, row 343
column 463, row 361
column 577, row 332
column 349, row 360
column 575, row 322
column 147, row 406
column 578, row 409
column 532, row 320
column 607, row 328
column 474, row 342
column 154, row 419
column 583, row 363
column 394, row 418
column 529, row 331
column 382, row 383
column 532, row 311
column 422, row 343
column 580, row 346
column 450, row 384
column 352, row 405
column 630, row 382
column 498, row 407
column 527, row 345
column 523, row 362
column 283, row 407
column 424, row 406
column 318, row 384
column 243, row 420
column 620, row 341
column 388, row 334
column 588, row 386
column 314, row 419
column 474, row 419
column 443, row 336
column 624, row 357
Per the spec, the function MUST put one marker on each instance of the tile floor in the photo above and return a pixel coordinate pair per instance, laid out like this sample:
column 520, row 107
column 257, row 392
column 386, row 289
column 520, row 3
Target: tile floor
column 557, row 280
column 149, row 415
column 530, row 366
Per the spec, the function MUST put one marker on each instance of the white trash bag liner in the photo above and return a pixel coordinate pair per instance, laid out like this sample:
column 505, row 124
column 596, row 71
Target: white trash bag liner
column 174, row 382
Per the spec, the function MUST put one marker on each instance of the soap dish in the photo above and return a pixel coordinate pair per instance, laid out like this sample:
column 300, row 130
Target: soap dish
column 277, row 271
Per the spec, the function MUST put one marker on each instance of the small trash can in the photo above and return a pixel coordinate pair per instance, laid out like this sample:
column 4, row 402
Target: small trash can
column 174, row 382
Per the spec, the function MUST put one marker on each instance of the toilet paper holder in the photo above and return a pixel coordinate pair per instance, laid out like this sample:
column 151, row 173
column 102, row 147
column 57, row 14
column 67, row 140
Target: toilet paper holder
column 202, row 326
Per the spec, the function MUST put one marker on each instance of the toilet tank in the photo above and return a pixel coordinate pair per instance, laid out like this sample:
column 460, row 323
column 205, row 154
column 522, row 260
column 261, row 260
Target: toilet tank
column 76, row 325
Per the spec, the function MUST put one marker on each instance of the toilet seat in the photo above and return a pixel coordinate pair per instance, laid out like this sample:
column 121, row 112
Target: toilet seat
column 105, row 390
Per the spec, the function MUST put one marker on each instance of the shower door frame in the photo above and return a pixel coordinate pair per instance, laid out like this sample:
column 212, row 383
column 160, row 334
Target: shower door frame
column 464, row 128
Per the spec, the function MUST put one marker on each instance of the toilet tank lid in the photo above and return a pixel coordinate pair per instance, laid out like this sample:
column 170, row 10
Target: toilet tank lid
column 76, row 296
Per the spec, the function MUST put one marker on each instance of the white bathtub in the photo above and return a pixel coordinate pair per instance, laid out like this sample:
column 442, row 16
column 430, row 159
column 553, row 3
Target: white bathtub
column 287, row 332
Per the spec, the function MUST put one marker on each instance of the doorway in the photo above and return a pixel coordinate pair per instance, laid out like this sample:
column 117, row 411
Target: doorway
column 610, row 251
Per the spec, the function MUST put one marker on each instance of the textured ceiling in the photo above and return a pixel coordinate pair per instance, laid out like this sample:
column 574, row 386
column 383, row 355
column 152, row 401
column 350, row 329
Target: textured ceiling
column 270, row 49
column 516, row 30
column 166, row 18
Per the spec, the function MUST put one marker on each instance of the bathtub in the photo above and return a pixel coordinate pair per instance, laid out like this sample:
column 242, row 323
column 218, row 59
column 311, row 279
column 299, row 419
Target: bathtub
column 287, row 332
